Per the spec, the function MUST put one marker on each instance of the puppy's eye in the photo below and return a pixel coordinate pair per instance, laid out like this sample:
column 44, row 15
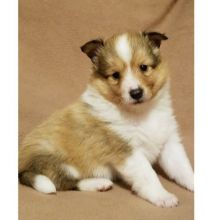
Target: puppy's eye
column 143, row 67
column 116, row 75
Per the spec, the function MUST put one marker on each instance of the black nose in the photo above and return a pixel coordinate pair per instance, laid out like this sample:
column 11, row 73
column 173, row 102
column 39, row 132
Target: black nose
column 136, row 93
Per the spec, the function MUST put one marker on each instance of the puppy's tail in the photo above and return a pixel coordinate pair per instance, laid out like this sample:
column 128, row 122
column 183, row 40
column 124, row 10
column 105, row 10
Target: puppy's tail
column 46, row 174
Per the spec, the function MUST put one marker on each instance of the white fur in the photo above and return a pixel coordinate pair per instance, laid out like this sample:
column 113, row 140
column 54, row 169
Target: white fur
column 104, row 172
column 129, row 83
column 138, row 172
column 175, row 163
column 123, row 48
column 151, row 131
column 44, row 184
column 72, row 171
column 146, row 129
column 95, row 184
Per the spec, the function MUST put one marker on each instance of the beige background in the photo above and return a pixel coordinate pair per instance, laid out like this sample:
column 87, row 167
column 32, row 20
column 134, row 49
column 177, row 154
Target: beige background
column 53, row 73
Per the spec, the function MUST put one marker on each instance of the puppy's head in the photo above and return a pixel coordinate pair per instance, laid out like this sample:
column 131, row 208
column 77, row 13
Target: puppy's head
column 127, row 68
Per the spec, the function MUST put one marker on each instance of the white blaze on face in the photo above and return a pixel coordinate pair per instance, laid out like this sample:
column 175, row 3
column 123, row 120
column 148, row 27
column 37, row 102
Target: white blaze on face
column 124, row 51
column 123, row 48
column 129, row 83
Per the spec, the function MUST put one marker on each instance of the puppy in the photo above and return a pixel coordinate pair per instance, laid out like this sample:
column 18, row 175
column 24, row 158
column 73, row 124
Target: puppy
column 122, row 124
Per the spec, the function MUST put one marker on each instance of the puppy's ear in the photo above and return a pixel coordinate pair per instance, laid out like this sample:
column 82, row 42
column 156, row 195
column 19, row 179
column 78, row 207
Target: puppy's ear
column 90, row 48
column 155, row 37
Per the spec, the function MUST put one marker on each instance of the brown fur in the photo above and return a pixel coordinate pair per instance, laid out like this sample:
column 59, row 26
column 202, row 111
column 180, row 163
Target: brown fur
column 144, row 52
column 71, row 137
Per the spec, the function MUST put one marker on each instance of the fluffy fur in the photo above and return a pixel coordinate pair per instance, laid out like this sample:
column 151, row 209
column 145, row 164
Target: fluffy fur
column 109, row 131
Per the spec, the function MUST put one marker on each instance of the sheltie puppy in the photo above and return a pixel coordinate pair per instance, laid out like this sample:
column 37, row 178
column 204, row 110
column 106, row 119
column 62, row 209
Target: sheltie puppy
column 122, row 124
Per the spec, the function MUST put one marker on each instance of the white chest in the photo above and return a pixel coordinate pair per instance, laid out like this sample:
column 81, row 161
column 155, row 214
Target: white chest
column 147, row 131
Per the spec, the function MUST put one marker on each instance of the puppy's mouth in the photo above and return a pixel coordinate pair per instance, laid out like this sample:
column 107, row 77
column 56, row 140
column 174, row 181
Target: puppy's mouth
column 138, row 102
column 134, row 102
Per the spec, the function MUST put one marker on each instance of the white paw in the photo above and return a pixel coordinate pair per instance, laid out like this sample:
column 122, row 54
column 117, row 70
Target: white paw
column 187, row 183
column 44, row 184
column 95, row 184
column 104, row 185
column 190, row 186
column 167, row 200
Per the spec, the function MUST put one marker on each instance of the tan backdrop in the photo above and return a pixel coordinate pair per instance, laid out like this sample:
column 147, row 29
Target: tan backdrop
column 53, row 73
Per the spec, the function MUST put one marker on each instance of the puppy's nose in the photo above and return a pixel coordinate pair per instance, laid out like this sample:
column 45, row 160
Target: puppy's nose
column 136, row 93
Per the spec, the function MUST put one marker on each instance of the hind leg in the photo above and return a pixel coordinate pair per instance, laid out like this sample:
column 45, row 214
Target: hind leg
column 48, row 173
column 39, row 182
column 94, row 184
column 44, row 184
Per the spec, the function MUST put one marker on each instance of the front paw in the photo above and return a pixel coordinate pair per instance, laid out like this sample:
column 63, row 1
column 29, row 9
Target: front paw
column 189, row 186
column 187, row 183
column 165, row 200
